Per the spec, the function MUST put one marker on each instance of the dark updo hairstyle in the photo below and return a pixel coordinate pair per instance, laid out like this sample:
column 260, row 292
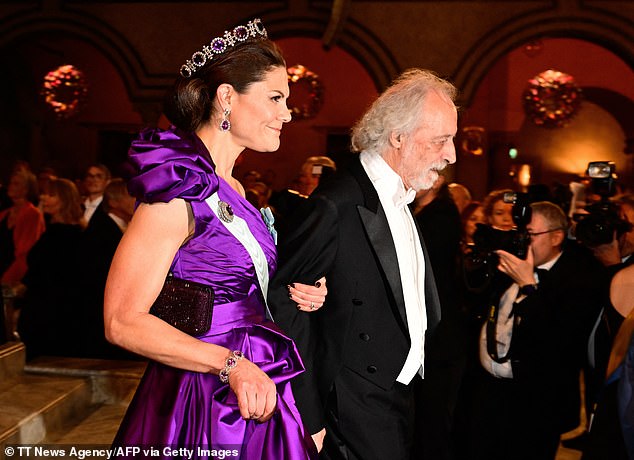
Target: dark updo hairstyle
column 189, row 103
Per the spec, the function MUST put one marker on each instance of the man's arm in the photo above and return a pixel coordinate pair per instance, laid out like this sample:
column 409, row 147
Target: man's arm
column 305, row 254
column 556, row 320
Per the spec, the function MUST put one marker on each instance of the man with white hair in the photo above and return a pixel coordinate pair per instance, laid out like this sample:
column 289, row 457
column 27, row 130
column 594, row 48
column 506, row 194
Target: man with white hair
column 365, row 348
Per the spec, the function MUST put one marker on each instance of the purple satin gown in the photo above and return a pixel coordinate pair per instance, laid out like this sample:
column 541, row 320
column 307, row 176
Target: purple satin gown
column 182, row 409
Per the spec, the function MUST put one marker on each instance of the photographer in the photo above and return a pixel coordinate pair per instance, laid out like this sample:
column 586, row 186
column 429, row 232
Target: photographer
column 617, row 253
column 533, row 344
column 605, row 229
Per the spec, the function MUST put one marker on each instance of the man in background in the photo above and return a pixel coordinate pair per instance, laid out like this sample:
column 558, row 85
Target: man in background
column 460, row 194
column 100, row 240
column 533, row 344
column 95, row 181
column 284, row 202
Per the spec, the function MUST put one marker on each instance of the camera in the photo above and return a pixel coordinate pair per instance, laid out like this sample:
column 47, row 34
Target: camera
column 602, row 222
column 488, row 239
column 480, row 264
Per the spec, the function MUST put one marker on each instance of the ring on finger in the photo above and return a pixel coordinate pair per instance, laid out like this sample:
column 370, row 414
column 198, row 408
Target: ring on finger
column 312, row 306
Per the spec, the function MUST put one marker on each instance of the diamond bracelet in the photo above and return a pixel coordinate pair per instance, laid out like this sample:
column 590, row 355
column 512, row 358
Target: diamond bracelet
column 230, row 363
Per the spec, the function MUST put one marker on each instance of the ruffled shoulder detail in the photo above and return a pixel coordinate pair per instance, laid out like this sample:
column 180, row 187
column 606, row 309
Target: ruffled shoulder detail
column 170, row 164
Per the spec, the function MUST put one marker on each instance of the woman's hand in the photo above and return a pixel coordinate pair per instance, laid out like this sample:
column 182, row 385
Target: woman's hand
column 256, row 392
column 308, row 298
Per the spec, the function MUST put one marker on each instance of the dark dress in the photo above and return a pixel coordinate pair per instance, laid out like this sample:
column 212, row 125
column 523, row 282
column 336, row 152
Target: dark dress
column 49, row 321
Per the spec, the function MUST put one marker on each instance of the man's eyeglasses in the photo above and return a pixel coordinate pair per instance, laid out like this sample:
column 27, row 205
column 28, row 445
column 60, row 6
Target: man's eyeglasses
column 95, row 176
column 532, row 235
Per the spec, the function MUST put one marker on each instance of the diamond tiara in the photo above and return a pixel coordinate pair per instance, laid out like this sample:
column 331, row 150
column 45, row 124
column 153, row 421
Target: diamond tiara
column 219, row 45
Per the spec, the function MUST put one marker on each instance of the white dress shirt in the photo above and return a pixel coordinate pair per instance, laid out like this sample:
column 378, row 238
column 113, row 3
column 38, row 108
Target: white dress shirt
column 122, row 224
column 504, row 329
column 409, row 253
column 90, row 206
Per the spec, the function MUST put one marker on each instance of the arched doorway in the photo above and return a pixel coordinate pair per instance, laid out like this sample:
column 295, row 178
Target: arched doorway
column 600, row 131
column 31, row 132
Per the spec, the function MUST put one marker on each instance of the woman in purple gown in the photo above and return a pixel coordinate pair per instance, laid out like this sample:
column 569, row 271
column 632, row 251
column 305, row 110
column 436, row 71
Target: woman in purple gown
column 226, row 393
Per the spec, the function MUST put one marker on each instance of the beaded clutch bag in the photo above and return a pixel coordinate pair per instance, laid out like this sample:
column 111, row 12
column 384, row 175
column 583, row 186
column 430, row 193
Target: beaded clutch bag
column 186, row 305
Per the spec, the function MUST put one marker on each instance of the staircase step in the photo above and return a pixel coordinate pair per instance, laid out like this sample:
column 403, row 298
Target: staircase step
column 12, row 357
column 37, row 407
column 98, row 429
column 63, row 400
column 112, row 381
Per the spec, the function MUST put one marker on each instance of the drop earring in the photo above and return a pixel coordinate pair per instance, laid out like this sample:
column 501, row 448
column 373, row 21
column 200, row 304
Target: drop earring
column 225, row 124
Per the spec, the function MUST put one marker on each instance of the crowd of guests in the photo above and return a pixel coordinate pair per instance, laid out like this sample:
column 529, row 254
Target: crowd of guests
column 531, row 326
column 449, row 328
column 510, row 356
column 58, row 237
column 519, row 406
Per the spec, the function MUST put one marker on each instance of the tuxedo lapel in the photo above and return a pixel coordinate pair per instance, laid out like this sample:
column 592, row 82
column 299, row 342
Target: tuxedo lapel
column 375, row 222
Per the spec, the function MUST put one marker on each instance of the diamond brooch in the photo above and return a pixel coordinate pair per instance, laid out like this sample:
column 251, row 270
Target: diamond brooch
column 225, row 212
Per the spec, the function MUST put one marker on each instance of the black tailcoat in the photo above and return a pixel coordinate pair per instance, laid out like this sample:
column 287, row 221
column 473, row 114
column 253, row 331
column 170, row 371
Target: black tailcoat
column 341, row 232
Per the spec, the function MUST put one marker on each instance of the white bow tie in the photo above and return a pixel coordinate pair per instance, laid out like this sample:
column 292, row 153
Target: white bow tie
column 406, row 199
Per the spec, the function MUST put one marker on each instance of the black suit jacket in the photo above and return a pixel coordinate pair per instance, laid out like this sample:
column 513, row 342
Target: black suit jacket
column 549, row 345
column 101, row 238
column 341, row 232
column 440, row 224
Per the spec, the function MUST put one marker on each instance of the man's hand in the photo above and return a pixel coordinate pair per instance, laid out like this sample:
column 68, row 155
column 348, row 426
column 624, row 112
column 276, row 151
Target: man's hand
column 520, row 270
column 318, row 439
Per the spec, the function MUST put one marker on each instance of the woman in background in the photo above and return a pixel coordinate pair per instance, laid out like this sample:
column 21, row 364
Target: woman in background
column 497, row 212
column 21, row 224
column 20, row 227
column 49, row 320
column 471, row 215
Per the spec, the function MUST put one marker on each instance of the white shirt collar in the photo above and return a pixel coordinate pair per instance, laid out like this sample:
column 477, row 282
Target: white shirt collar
column 386, row 180
column 122, row 224
column 93, row 203
column 548, row 265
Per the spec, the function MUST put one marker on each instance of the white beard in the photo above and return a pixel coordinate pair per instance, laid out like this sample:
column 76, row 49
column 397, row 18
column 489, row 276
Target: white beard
column 426, row 180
